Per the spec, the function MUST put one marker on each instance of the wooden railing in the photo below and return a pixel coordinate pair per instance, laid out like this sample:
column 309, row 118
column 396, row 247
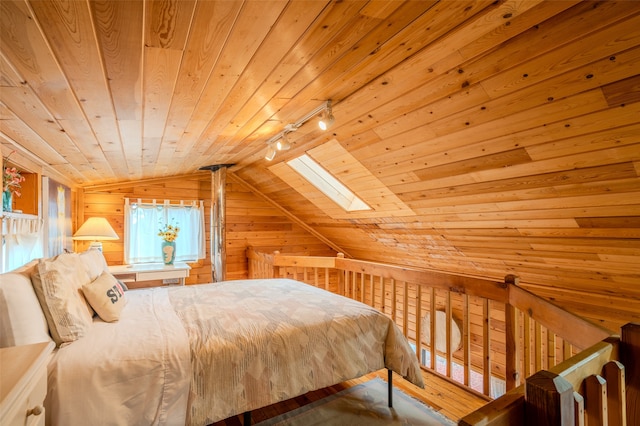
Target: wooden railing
column 505, row 333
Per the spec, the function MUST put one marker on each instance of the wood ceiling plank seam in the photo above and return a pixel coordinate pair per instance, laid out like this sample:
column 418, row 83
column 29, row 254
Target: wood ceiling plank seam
column 503, row 52
column 121, row 47
column 539, row 94
column 554, row 198
column 21, row 134
column 386, row 50
column 552, row 32
column 334, row 17
column 29, row 160
column 201, row 53
column 327, row 51
column 546, row 144
column 21, row 102
column 251, row 25
column 567, row 57
column 162, row 57
column 623, row 92
column 584, row 233
column 604, row 71
column 66, row 28
column 514, row 26
column 601, row 211
column 297, row 17
column 101, row 131
column 383, row 113
column 540, row 117
column 30, row 56
column 47, row 116
column 566, row 177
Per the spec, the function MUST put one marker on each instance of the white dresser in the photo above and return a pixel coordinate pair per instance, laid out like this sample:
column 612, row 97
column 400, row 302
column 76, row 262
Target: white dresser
column 23, row 383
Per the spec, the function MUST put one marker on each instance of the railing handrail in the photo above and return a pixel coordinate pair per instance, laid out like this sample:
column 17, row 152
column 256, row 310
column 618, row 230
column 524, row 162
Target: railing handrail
column 576, row 330
column 570, row 327
column 541, row 321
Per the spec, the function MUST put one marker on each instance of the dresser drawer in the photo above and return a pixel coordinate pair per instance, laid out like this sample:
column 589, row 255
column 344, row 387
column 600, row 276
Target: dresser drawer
column 23, row 386
column 29, row 407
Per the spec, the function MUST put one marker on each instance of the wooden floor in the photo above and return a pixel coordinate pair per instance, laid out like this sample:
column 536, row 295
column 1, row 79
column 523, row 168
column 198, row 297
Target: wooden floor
column 443, row 396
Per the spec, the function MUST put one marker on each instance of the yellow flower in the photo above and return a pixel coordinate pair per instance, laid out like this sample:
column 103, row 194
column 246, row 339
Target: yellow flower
column 169, row 232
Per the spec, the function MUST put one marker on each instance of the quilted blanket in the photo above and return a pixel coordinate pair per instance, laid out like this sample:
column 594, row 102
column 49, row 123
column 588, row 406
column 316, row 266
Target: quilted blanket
column 257, row 342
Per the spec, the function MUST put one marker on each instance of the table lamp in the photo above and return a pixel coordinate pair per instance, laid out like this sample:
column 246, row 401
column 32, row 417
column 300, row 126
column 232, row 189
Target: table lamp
column 95, row 229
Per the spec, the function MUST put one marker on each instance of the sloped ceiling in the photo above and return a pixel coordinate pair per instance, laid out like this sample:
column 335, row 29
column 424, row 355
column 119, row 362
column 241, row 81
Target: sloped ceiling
column 508, row 131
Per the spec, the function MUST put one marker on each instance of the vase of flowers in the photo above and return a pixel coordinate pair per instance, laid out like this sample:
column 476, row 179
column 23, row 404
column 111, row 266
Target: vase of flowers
column 11, row 180
column 168, row 233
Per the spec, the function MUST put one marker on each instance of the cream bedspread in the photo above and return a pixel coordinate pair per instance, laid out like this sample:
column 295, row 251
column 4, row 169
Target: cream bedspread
column 256, row 342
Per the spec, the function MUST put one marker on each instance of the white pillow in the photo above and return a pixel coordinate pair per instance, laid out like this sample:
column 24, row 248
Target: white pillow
column 58, row 284
column 21, row 319
column 94, row 262
column 106, row 296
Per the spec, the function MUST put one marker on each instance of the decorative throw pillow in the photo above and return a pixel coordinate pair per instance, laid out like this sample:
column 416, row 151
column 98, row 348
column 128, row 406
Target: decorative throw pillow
column 106, row 296
column 57, row 283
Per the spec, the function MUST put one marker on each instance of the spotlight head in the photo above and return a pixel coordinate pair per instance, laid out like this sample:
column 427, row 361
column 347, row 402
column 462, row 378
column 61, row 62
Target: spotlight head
column 271, row 153
column 326, row 119
column 283, row 143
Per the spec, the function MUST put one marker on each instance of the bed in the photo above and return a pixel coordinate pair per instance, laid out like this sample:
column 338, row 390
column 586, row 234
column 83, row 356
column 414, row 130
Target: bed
column 198, row 354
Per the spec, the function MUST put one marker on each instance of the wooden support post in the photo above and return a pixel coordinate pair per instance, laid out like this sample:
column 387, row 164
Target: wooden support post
column 512, row 347
column 630, row 357
column 613, row 373
column 548, row 400
column 596, row 401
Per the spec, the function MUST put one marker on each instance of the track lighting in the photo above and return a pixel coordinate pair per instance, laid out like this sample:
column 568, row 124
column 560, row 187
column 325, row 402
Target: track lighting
column 281, row 142
column 327, row 118
column 271, row 152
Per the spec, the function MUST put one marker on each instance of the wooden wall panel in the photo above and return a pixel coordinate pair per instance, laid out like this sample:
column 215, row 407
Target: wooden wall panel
column 250, row 221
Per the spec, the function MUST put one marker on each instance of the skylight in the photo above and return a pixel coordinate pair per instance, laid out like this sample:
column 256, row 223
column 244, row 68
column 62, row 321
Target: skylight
column 327, row 183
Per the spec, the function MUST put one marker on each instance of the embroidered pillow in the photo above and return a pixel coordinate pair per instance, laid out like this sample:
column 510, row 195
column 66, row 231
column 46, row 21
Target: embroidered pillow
column 106, row 296
column 57, row 283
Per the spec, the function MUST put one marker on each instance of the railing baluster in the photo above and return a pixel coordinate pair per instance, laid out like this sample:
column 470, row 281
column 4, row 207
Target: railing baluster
column 372, row 291
column 432, row 327
column 447, row 310
column 466, row 338
column 405, row 309
column 551, row 349
column 486, row 347
column 419, row 321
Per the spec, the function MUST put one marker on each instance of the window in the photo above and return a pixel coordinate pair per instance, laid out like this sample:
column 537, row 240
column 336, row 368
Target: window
column 143, row 221
column 327, row 183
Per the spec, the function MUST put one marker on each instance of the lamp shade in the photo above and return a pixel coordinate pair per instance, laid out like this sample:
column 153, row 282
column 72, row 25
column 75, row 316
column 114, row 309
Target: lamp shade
column 95, row 228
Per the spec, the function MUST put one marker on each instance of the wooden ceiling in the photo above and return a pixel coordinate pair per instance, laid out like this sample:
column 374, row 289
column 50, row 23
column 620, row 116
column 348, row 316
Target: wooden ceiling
column 490, row 137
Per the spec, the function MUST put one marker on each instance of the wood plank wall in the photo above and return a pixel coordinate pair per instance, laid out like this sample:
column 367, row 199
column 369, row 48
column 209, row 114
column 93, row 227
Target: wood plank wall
column 251, row 221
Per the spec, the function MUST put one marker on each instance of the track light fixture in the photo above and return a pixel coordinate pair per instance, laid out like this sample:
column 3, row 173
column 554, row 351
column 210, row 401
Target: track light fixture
column 327, row 118
column 281, row 142
column 271, row 152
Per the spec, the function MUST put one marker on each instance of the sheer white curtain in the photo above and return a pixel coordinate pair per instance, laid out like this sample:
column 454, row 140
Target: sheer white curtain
column 143, row 221
column 20, row 241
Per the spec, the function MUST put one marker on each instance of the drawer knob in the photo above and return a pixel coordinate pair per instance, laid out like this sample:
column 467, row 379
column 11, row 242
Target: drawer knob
column 36, row 411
